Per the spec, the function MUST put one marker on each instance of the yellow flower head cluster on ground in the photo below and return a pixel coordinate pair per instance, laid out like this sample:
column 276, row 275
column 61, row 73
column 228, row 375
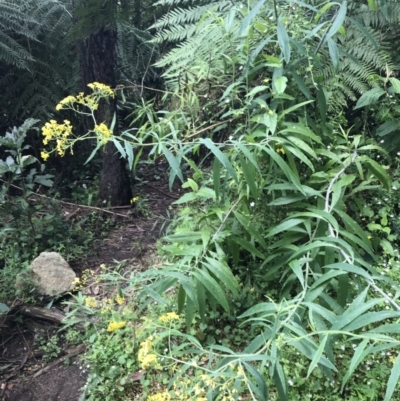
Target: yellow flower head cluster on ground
column 146, row 356
column 164, row 396
column 91, row 302
column 119, row 300
column 115, row 326
column 169, row 317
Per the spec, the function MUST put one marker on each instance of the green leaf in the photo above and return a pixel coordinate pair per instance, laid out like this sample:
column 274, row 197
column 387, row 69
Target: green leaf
column 393, row 379
column 249, row 174
column 184, row 237
column 333, row 52
column 249, row 227
column 119, row 147
column 213, row 287
column 285, row 226
column 339, row 19
column 181, row 298
column 378, row 171
column 248, row 246
column 246, row 23
column 372, row 5
column 173, row 162
column 217, row 177
column 129, row 152
column 4, row 308
column 317, row 356
column 355, row 361
column 369, row 97
column 220, row 156
column 280, row 381
column 259, row 388
column 321, row 103
column 396, row 84
column 280, row 84
column 223, row 272
column 283, row 40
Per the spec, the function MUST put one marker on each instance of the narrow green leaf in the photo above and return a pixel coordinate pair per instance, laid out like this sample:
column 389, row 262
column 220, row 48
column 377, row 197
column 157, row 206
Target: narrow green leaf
column 283, row 40
column 338, row 22
column 223, row 272
column 333, row 52
column 317, row 356
column 249, row 174
column 285, row 226
column 379, row 172
column 355, row 361
column 173, row 162
column 213, row 287
column 220, row 156
column 249, row 227
column 393, row 379
column 246, row 23
column 242, row 242
column 369, row 97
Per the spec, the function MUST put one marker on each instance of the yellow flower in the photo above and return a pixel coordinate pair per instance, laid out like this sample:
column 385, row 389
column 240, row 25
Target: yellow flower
column 58, row 132
column 101, row 89
column 103, row 133
column 169, row 317
column 266, row 80
column 68, row 101
column 369, row 236
column 146, row 356
column 115, row 326
column 45, row 155
column 280, row 150
column 119, row 300
column 270, row 112
column 133, row 200
column 164, row 396
column 90, row 302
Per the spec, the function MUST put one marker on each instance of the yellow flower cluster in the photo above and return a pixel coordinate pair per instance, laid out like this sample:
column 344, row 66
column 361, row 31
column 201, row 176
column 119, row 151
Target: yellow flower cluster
column 119, row 300
column 101, row 89
column 44, row 154
column 146, row 356
column 280, row 150
column 168, row 317
column 58, row 132
column 91, row 302
column 133, row 200
column 103, row 133
column 66, row 102
column 164, row 396
column 115, row 326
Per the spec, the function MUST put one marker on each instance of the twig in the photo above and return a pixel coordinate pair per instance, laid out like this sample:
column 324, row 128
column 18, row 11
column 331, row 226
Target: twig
column 69, row 353
column 78, row 205
column 158, row 189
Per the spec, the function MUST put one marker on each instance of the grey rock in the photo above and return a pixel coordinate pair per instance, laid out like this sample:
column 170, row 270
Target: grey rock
column 52, row 274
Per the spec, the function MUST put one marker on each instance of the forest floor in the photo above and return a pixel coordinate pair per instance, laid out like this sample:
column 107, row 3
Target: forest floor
column 24, row 376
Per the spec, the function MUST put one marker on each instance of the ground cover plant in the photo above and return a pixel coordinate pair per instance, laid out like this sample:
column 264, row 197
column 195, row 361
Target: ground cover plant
column 278, row 274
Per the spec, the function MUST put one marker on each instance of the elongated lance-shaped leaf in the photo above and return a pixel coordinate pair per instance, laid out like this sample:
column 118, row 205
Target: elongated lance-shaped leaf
column 283, row 40
column 220, row 156
column 393, row 379
column 213, row 287
column 317, row 356
column 355, row 361
column 338, row 21
column 173, row 162
column 246, row 23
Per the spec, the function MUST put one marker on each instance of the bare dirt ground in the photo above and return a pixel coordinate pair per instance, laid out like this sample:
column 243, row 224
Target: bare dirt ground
column 24, row 376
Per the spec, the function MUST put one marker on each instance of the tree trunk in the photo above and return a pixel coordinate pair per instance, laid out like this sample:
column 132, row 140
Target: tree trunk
column 97, row 60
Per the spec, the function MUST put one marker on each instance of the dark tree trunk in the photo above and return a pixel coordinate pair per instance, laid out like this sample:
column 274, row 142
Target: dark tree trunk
column 97, row 60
